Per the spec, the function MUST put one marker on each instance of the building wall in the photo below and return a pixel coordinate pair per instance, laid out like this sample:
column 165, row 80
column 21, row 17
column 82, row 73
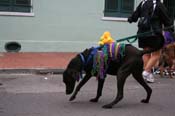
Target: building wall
column 61, row 26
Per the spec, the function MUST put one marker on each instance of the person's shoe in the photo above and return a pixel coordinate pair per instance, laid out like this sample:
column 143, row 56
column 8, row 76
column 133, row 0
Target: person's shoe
column 145, row 75
column 150, row 78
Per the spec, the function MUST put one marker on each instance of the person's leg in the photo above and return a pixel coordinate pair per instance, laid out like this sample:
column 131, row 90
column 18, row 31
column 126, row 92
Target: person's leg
column 152, row 61
column 146, row 58
column 150, row 64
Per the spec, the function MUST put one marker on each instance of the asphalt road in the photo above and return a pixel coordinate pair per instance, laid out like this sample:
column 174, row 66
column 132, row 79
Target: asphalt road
column 44, row 95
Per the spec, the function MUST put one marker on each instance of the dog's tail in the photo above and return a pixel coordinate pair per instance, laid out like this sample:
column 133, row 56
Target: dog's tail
column 148, row 51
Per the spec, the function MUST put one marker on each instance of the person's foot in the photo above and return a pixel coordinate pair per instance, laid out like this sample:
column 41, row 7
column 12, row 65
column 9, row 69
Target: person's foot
column 145, row 74
column 148, row 77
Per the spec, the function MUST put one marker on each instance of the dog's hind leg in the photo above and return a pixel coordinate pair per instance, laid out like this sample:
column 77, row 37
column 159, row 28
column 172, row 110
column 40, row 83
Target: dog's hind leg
column 138, row 76
column 99, row 90
column 85, row 79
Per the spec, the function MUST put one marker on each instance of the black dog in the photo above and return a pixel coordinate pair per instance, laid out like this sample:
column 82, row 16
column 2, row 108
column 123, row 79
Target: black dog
column 131, row 63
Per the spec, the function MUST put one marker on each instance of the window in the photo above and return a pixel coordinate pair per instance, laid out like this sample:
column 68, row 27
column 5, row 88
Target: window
column 23, row 6
column 118, row 8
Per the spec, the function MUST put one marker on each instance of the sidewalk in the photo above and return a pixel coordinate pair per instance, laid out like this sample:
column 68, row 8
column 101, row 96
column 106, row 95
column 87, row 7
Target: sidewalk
column 27, row 61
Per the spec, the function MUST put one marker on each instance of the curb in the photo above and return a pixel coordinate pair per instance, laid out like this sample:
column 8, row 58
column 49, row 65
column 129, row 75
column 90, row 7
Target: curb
column 32, row 71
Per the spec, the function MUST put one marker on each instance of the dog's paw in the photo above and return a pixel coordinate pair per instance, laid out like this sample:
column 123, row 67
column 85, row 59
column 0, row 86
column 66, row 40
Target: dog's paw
column 93, row 100
column 108, row 106
column 72, row 98
column 145, row 101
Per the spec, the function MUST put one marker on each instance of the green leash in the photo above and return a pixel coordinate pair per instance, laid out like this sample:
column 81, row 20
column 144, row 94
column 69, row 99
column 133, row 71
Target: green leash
column 135, row 37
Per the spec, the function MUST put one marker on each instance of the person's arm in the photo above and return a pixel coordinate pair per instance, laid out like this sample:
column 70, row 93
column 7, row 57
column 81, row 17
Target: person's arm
column 135, row 15
column 163, row 13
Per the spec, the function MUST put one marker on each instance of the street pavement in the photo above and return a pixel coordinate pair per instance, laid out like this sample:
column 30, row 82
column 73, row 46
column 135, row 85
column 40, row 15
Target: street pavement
column 44, row 95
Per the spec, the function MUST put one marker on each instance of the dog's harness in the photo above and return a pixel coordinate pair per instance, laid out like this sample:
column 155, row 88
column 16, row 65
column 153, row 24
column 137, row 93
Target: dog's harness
column 109, row 52
column 101, row 58
column 94, row 51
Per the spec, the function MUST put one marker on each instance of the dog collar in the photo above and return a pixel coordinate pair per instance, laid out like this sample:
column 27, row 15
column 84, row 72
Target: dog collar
column 82, row 58
column 85, row 62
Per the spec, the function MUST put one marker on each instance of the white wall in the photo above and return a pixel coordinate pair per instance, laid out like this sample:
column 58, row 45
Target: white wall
column 61, row 25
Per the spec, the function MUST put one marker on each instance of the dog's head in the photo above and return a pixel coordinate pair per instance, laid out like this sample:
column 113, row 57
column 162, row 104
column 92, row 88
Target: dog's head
column 69, row 79
column 73, row 71
column 71, row 74
column 169, row 50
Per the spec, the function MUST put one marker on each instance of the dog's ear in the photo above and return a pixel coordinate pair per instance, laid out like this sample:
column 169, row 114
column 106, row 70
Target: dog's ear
column 86, row 51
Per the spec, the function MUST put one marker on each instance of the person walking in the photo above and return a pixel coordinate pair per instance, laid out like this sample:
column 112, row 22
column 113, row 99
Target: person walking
column 153, row 17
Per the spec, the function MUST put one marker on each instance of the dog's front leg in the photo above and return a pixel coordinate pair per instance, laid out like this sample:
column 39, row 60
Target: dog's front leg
column 122, row 74
column 85, row 79
column 99, row 90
